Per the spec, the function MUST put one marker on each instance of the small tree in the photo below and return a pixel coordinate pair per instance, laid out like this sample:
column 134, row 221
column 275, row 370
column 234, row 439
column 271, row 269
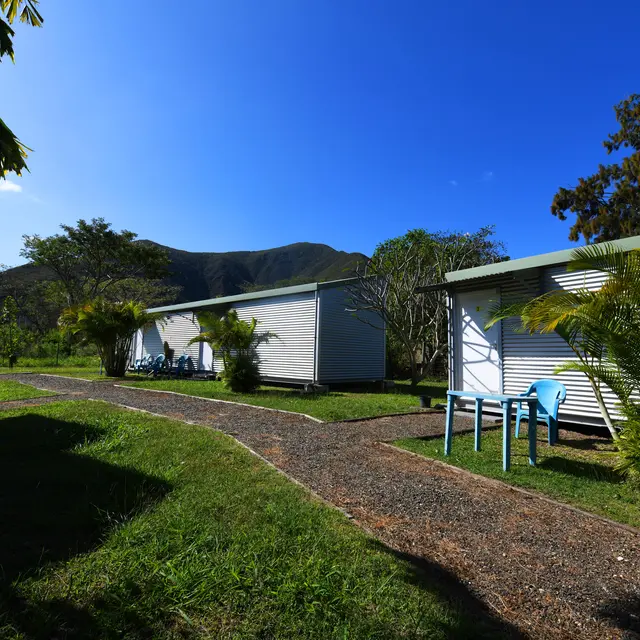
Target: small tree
column 13, row 338
column 91, row 261
column 110, row 326
column 387, row 289
column 236, row 341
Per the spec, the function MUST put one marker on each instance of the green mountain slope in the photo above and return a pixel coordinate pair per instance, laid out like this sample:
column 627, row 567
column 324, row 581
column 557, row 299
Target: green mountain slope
column 207, row 275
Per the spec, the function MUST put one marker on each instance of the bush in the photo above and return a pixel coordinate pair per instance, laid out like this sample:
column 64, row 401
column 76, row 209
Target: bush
column 242, row 373
column 629, row 447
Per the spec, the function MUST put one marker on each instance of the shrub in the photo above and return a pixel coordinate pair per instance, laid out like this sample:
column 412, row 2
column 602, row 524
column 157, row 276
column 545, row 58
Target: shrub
column 236, row 342
column 110, row 326
column 629, row 447
column 241, row 373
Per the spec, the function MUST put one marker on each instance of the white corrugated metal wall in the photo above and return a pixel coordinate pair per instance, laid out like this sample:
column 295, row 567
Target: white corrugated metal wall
column 317, row 340
column 348, row 349
column 526, row 358
column 177, row 330
column 292, row 318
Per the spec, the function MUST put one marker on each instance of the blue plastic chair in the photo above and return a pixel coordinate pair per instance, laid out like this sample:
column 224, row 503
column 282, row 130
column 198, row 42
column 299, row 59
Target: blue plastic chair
column 181, row 364
column 551, row 394
column 143, row 364
column 157, row 366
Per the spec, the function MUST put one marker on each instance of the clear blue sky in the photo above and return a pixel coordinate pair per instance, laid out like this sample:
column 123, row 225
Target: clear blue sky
column 217, row 126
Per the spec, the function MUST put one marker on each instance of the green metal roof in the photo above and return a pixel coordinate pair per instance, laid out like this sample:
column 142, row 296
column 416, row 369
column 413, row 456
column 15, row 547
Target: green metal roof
column 532, row 262
column 254, row 295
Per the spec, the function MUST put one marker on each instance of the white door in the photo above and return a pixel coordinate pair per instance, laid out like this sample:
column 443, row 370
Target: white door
column 479, row 357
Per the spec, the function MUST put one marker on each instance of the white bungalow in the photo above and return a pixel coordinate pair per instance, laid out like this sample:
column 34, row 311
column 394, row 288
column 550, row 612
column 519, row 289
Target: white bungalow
column 503, row 360
column 318, row 340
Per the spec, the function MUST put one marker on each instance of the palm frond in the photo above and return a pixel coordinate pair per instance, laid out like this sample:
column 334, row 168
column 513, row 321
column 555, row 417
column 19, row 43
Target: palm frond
column 13, row 153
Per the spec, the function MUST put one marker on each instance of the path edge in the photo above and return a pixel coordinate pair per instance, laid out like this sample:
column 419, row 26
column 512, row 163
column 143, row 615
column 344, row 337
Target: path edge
column 240, row 404
column 498, row 483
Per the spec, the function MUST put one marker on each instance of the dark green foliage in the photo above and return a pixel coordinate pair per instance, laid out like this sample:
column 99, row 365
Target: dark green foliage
column 242, row 373
column 92, row 260
column 208, row 275
column 13, row 338
column 388, row 286
column 110, row 326
column 235, row 341
column 629, row 446
column 607, row 203
column 250, row 287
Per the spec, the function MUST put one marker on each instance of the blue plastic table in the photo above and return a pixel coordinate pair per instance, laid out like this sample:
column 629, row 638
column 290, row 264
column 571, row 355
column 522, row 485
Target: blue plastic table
column 506, row 402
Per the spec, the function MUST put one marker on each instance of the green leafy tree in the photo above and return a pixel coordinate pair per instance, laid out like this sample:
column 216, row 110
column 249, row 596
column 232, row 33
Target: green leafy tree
column 13, row 153
column 390, row 289
column 91, row 260
column 607, row 203
column 602, row 328
column 236, row 342
column 110, row 326
column 13, row 339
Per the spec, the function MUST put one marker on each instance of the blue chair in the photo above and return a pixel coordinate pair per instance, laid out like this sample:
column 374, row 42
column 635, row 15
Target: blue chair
column 143, row 364
column 157, row 366
column 550, row 394
column 181, row 365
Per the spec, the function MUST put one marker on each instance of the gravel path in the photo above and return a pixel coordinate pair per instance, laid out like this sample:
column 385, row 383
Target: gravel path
column 550, row 571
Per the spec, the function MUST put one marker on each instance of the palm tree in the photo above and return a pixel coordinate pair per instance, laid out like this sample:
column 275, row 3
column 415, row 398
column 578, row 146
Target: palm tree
column 236, row 341
column 601, row 327
column 110, row 326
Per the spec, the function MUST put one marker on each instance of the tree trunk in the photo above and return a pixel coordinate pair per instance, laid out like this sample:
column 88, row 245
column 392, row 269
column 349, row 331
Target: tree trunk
column 603, row 408
column 415, row 378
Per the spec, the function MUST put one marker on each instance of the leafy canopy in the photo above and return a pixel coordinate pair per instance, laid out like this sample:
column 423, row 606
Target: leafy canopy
column 388, row 289
column 13, row 338
column 227, row 334
column 607, row 203
column 110, row 326
column 92, row 260
column 235, row 341
column 13, row 153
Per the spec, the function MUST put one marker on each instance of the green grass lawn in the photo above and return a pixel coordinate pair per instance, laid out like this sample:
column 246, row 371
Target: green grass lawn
column 336, row 405
column 87, row 367
column 12, row 390
column 128, row 526
column 578, row 471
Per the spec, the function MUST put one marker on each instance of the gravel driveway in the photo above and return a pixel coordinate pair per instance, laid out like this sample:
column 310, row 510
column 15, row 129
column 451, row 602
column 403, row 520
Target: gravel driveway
column 550, row 571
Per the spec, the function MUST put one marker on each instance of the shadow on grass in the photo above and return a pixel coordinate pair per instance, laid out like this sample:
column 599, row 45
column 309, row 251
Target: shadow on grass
column 584, row 443
column 581, row 469
column 432, row 389
column 476, row 619
column 57, row 504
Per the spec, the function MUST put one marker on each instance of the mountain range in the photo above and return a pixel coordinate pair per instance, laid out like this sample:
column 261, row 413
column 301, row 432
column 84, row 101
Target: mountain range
column 207, row 275
column 204, row 275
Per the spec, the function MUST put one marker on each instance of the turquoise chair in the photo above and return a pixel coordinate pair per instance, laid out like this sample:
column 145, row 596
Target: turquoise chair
column 143, row 364
column 181, row 365
column 157, row 366
column 551, row 394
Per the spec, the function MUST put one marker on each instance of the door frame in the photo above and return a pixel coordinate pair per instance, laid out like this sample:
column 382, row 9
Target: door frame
column 457, row 336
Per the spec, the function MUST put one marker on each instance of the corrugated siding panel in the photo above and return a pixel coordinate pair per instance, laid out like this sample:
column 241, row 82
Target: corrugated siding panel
column 177, row 330
column 349, row 349
column 292, row 318
column 530, row 357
